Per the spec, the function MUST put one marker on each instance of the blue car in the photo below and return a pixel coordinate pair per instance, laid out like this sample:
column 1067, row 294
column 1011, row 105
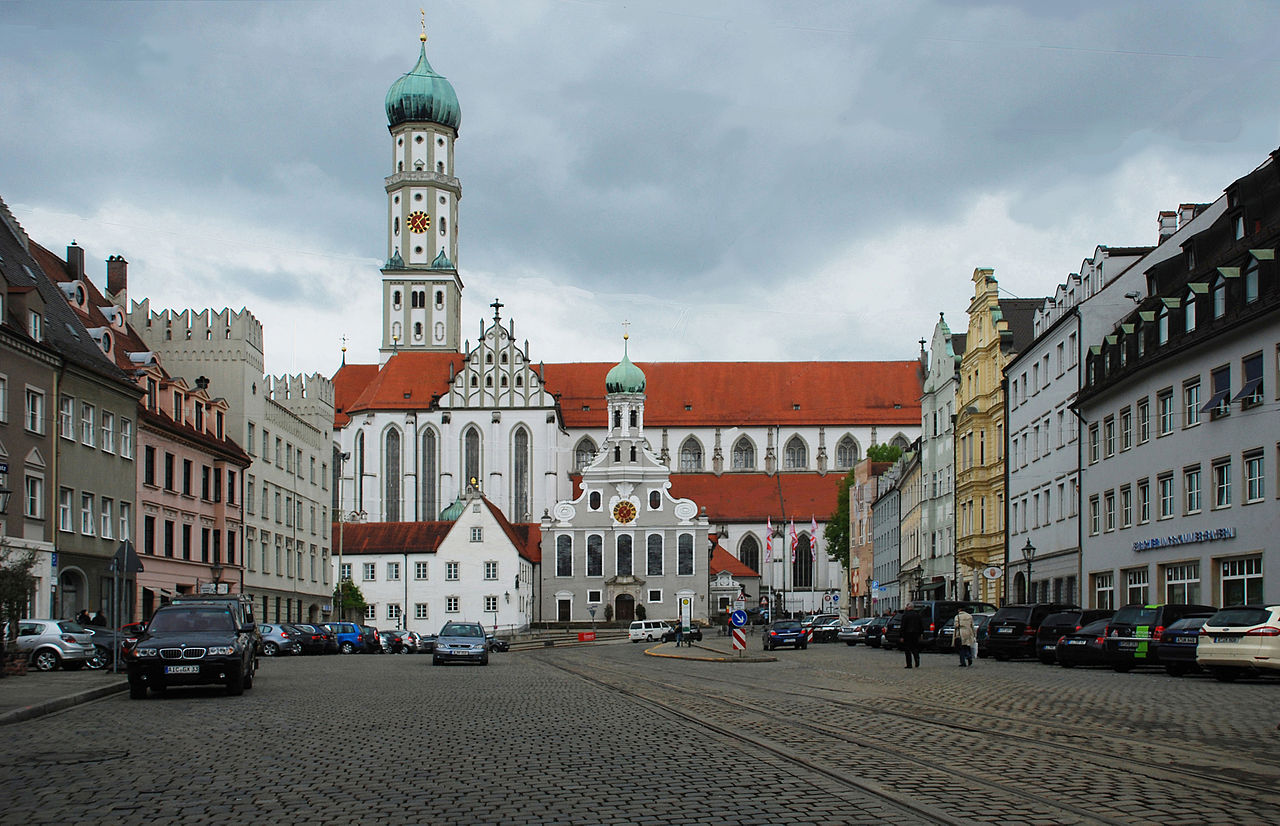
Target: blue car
column 349, row 636
column 784, row 632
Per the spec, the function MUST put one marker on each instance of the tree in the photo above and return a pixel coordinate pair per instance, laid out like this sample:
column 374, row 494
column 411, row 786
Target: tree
column 641, row 613
column 884, row 452
column 347, row 599
column 836, row 533
column 16, row 586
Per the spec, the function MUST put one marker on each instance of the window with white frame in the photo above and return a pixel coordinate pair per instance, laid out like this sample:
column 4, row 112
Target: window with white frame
column 1242, row 581
column 491, row 603
column 126, row 438
column 451, row 605
column 1144, row 420
column 1144, row 501
column 655, row 595
column 126, row 521
column 35, row 411
column 33, row 496
column 1136, row 586
column 1109, row 510
column 1254, row 484
column 370, row 571
column 67, row 417
column 1093, row 443
column 1222, row 483
column 1104, row 591
column 344, row 571
column 1191, row 489
column 1126, row 507
column 393, row 611
column 1126, row 429
column 420, row 570
column 594, row 597
column 107, row 518
column 393, row 572
column 420, row 611
column 88, row 425
column 65, row 504
column 1191, row 403
column 477, row 534
column 451, row 571
column 371, row 612
column 1164, row 486
column 1095, row 515
column 1109, row 436
column 1164, row 411
column 4, row 399
column 1182, row 583
column 491, row 570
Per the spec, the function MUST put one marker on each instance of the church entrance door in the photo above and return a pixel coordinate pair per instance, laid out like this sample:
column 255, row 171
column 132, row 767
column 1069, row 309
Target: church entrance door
column 564, row 608
column 624, row 608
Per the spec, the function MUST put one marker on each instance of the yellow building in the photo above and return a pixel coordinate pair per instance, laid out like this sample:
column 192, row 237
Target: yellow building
column 998, row 329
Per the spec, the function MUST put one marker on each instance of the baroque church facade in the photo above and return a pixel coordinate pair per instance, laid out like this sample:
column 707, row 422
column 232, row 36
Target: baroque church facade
column 729, row 448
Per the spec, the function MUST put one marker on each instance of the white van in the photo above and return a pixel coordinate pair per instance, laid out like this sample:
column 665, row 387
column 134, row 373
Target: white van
column 648, row 630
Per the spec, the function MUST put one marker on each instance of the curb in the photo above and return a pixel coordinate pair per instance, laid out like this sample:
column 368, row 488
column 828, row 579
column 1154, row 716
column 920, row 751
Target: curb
column 721, row 658
column 59, row 703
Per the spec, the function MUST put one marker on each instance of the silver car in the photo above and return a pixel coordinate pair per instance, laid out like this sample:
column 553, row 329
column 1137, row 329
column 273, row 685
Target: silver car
column 52, row 643
column 461, row 641
column 278, row 640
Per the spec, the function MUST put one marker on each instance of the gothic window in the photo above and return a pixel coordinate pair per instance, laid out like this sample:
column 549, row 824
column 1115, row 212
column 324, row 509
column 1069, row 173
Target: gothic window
column 502, row 359
column 900, row 442
column 357, row 469
column 475, row 380
column 796, row 454
column 396, row 332
column 471, row 457
column 564, row 556
column 690, row 456
column 583, row 454
column 391, row 475
column 617, row 453
column 802, row 568
column 488, row 358
column 595, row 555
column 684, row 555
column 744, row 454
column 847, row 452
column 653, row 557
column 633, row 453
column 520, row 476
column 519, row 380
column 488, row 381
column 502, row 381
column 624, row 555
column 749, row 553
column 430, row 477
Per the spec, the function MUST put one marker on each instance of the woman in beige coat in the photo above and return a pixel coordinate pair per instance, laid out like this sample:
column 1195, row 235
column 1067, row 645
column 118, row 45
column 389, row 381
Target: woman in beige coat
column 965, row 637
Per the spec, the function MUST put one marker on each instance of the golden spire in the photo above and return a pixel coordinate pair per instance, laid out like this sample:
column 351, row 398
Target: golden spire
column 423, row 36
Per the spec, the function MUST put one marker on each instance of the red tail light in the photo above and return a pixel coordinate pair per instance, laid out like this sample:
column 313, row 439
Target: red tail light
column 1078, row 627
column 931, row 627
column 1032, row 631
column 68, row 638
column 1060, row 639
column 1101, row 640
column 1158, row 632
column 1267, row 631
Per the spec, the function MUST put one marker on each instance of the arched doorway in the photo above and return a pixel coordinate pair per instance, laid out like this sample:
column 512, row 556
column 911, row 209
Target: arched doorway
column 72, row 593
column 1019, row 587
column 624, row 608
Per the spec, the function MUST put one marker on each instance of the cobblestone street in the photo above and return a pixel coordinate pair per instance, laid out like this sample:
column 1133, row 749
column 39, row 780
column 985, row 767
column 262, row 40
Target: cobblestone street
column 606, row 734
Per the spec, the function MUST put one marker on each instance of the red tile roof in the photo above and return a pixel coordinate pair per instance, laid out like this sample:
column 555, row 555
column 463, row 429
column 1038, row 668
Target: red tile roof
column 753, row 497
column 391, row 537
column 678, row 394
column 722, row 560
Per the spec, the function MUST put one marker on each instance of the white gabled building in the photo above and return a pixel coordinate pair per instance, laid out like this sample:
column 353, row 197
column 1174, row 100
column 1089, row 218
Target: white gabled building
column 473, row 565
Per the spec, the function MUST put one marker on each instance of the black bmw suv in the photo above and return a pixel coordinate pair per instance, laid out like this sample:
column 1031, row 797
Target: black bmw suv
column 192, row 644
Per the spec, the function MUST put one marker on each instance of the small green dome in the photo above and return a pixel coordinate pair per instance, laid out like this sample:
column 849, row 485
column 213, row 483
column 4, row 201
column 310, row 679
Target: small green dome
column 423, row 95
column 451, row 513
column 625, row 377
column 442, row 262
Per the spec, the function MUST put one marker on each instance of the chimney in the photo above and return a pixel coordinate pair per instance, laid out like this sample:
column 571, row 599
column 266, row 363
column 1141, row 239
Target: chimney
column 118, row 280
column 1185, row 213
column 75, row 261
column 1168, row 225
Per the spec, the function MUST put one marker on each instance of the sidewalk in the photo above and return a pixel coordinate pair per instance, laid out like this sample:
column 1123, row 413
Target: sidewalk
column 713, row 648
column 36, row 693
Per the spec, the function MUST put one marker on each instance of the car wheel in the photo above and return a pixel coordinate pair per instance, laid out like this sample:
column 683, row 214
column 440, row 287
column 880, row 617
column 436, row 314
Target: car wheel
column 101, row 657
column 805, row 646
column 1046, row 659
column 248, row 678
column 137, row 691
column 1122, row 668
column 270, row 649
column 45, row 660
column 1225, row 675
column 347, row 648
column 850, row 644
column 435, row 660
column 1066, row 665
column 235, row 683
column 1175, row 670
column 484, row 660
column 1002, row 658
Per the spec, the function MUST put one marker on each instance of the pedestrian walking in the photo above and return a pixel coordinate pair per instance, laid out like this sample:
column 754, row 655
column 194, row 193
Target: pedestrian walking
column 82, row 618
column 965, row 637
column 679, row 634
column 99, row 620
column 912, row 627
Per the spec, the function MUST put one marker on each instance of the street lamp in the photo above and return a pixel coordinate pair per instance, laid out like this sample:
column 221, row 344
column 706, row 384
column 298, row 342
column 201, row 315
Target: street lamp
column 918, row 577
column 1028, row 552
column 216, row 570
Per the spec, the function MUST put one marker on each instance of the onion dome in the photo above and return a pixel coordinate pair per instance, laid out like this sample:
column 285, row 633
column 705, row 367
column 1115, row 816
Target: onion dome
column 442, row 262
column 451, row 513
column 423, row 95
column 625, row 377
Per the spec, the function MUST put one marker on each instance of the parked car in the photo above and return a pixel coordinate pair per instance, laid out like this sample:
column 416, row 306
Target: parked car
column 1241, row 639
column 393, row 642
column 427, row 644
column 854, row 631
column 463, row 641
column 349, row 637
column 812, row 619
column 372, row 642
column 757, row 616
column 946, row 637
column 1177, row 646
column 647, row 630
column 874, row 633
column 105, row 644
column 825, row 630
column 1055, row 626
column 50, row 644
column 278, row 640
column 1135, row 628
column 784, row 632
column 411, row 641
column 1083, row 646
column 193, row 644
column 693, row 633
column 934, row 614
column 316, row 639
column 1012, row 631
column 240, row 606
column 498, row 644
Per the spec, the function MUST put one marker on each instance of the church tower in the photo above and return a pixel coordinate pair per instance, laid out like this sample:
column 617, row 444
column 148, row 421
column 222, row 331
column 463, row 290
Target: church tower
column 421, row 289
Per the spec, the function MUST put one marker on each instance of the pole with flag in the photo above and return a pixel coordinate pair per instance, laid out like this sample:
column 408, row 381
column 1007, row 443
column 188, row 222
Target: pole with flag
column 768, row 558
column 795, row 540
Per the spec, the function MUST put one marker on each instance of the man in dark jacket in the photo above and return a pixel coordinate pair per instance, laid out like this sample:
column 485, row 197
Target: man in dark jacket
column 912, row 627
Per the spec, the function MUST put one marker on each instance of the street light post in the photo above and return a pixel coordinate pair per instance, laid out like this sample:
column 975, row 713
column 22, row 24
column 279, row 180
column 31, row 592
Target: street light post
column 1029, row 551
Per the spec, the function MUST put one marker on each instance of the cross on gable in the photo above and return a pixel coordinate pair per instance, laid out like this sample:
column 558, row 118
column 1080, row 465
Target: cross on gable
column 497, row 307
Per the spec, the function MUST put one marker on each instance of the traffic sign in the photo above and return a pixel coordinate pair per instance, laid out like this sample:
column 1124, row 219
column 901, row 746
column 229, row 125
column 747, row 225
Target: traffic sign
column 54, row 557
column 738, row 619
column 875, row 583
column 764, row 602
column 835, row 598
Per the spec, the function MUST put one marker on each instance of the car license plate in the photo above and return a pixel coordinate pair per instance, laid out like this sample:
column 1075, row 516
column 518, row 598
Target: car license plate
column 1225, row 639
column 1125, row 645
column 1186, row 640
column 1076, row 642
column 1004, row 630
column 182, row 669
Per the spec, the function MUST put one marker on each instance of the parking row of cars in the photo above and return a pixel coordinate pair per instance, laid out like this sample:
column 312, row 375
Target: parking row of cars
column 1179, row 637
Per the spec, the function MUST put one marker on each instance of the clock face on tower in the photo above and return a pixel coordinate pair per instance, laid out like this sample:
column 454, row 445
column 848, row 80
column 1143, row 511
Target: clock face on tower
column 624, row 512
column 419, row 221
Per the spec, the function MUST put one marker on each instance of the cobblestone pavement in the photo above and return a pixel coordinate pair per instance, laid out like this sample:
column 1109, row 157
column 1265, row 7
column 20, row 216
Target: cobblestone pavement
column 608, row 735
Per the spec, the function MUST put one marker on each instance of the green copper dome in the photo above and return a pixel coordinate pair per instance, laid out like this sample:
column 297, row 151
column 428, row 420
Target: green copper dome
column 625, row 377
column 423, row 95
column 451, row 513
column 442, row 262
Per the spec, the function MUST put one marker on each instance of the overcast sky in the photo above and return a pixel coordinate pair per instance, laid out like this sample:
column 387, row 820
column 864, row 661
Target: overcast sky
column 741, row 180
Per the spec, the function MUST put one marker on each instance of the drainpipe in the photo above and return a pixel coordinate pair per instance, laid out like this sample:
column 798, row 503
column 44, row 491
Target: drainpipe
column 1004, row 392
